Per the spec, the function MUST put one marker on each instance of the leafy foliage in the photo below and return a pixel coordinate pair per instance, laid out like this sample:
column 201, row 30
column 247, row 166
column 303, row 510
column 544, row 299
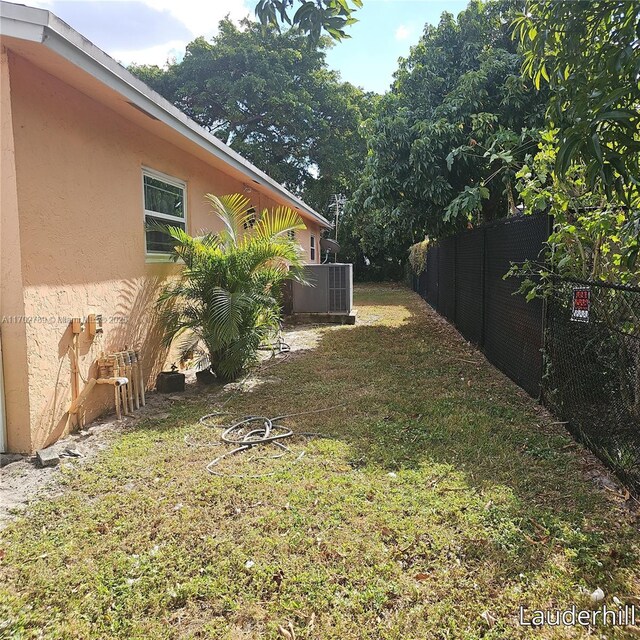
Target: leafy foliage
column 311, row 16
column 588, row 52
column 226, row 297
column 595, row 236
column 446, row 142
column 271, row 97
column 418, row 256
column 587, row 170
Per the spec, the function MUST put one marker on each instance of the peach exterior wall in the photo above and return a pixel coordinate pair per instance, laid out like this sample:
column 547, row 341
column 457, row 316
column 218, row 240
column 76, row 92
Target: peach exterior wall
column 14, row 344
column 79, row 195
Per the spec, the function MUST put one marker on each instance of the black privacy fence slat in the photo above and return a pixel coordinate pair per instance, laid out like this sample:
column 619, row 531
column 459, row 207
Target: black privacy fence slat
column 420, row 285
column 513, row 326
column 469, row 282
column 465, row 283
column 431, row 292
column 447, row 278
column 592, row 372
column 579, row 350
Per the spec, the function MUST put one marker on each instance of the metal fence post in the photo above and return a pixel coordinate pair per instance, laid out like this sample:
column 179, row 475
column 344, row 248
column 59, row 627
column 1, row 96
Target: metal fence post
column 483, row 293
column 545, row 321
column 455, row 280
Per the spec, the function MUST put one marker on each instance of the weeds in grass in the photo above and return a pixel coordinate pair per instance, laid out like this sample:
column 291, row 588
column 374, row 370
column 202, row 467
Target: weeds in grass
column 442, row 502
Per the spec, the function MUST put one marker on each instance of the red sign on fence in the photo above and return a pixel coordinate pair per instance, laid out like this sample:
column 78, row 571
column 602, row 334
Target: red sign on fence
column 581, row 304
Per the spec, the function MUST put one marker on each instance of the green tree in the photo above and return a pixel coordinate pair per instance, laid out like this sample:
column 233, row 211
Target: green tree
column 272, row 98
column 587, row 169
column 588, row 53
column 227, row 295
column 594, row 236
column 446, row 142
column 310, row 16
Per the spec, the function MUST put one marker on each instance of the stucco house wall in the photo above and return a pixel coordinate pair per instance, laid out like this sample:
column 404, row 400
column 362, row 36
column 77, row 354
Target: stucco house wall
column 73, row 171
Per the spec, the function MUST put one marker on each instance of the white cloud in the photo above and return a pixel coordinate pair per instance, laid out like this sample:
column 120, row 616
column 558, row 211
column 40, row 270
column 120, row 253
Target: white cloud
column 158, row 54
column 201, row 16
column 403, row 32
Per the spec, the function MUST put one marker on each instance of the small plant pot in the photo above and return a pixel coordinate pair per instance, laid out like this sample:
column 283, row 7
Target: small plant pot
column 206, row 376
column 170, row 382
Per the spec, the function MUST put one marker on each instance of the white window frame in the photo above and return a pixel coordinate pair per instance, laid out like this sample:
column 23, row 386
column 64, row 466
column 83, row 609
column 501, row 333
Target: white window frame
column 312, row 247
column 161, row 256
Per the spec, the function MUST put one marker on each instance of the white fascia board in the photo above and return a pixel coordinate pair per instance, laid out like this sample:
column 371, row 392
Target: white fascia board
column 21, row 22
column 40, row 25
column 23, row 13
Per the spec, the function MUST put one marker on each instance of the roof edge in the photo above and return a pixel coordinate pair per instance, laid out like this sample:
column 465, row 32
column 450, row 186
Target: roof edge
column 40, row 25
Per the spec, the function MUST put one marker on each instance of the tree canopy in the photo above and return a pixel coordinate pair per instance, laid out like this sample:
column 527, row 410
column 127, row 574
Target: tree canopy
column 311, row 17
column 271, row 97
column 511, row 109
column 446, row 142
column 513, row 106
column 588, row 52
column 587, row 168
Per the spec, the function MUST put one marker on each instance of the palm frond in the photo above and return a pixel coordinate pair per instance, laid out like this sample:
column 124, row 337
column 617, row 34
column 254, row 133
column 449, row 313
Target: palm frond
column 225, row 314
column 278, row 222
column 234, row 211
column 261, row 254
column 186, row 247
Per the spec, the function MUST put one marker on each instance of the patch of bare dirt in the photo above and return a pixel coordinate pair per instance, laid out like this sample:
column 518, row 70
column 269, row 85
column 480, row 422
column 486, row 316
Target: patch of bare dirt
column 23, row 482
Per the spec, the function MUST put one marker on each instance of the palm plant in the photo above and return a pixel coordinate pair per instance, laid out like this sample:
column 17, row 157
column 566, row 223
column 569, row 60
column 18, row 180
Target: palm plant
column 227, row 295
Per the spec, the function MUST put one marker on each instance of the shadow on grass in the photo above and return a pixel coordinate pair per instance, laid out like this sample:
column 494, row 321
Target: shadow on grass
column 440, row 490
column 411, row 394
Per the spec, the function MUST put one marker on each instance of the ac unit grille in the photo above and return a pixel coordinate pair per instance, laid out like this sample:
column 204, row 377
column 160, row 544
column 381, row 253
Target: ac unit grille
column 328, row 289
column 338, row 289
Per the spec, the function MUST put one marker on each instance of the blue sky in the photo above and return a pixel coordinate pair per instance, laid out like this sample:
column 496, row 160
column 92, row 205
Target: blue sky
column 386, row 30
column 152, row 31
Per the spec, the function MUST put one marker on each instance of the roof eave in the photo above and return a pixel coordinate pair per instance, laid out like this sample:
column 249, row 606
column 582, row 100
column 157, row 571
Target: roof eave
column 40, row 25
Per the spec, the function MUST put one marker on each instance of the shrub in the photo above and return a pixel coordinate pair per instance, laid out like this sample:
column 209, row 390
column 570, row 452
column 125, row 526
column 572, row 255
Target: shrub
column 227, row 295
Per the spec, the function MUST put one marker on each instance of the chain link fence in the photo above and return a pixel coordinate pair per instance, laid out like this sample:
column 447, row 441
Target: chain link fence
column 578, row 349
column 592, row 369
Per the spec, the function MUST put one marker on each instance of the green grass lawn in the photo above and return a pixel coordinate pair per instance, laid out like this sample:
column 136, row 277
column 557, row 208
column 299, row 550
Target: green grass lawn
column 440, row 493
